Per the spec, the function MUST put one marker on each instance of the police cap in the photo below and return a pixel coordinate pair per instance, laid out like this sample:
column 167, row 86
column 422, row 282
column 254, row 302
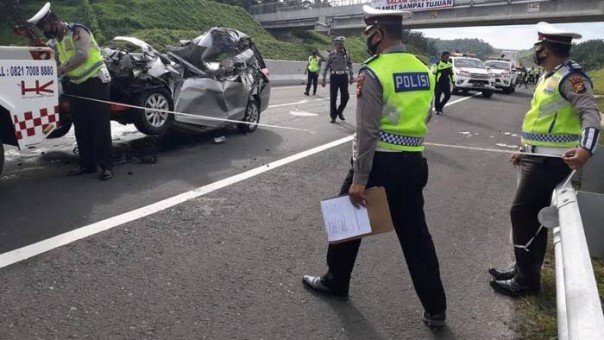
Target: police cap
column 551, row 34
column 40, row 15
column 373, row 16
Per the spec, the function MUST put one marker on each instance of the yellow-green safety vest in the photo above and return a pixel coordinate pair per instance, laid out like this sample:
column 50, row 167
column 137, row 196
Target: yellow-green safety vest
column 441, row 65
column 313, row 64
column 66, row 50
column 552, row 121
column 407, row 91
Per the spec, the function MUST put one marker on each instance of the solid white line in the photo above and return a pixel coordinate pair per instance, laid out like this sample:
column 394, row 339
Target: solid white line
column 17, row 255
column 460, row 100
column 31, row 250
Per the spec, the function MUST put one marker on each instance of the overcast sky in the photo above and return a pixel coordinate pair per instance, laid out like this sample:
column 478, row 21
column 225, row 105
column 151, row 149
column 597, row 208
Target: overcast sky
column 520, row 37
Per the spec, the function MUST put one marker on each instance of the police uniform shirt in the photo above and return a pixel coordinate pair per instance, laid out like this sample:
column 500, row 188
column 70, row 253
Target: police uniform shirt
column 338, row 61
column 578, row 91
column 368, row 114
column 82, row 43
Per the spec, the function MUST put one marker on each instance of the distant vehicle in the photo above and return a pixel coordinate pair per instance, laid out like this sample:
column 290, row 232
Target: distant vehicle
column 471, row 75
column 505, row 74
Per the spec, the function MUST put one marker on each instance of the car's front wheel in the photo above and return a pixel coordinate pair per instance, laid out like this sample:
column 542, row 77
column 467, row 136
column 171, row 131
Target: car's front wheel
column 487, row 93
column 251, row 117
column 155, row 120
column 508, row 90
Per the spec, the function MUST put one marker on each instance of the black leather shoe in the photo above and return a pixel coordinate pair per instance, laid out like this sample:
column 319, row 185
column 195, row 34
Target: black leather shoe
column 512, row 288
column 315, row 285
column 341, row 116
column 502, row 274
column 333, row 121
column 106, row 175
column 434, row 320
column 79, row 171
column 306, row 93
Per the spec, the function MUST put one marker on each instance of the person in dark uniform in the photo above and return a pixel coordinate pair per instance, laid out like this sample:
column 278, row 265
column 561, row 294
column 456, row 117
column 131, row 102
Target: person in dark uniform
column 339, row 66
column 387, row 151
column 312, row 68
column 563, row 121
column 443, row 70
column 81, row 62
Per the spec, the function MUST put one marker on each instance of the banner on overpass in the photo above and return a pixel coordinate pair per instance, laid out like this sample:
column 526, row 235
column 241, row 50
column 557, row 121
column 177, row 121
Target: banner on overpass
column 413, row 5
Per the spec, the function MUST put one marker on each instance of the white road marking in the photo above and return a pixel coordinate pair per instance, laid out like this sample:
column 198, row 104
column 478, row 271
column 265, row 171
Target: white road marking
column 304, row 101
column 302, row 113
column 17, row 255
column 34, row 249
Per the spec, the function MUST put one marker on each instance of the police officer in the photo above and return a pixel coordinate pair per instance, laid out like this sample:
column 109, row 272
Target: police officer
column 339, row 67
column 563, row 120
column 394, row 100
column 80, row 60
column 443, row 70
column 312, row 68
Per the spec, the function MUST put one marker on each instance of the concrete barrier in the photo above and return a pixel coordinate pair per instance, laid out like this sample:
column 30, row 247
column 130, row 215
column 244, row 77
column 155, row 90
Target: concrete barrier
column 286, row 72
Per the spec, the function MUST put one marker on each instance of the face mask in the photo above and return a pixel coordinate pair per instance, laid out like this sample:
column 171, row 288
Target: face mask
column 372, row 47
column 538, row 59
column 50, row 34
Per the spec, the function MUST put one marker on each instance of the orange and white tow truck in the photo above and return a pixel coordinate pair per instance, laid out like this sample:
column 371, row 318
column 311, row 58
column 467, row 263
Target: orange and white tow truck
column 29, row 98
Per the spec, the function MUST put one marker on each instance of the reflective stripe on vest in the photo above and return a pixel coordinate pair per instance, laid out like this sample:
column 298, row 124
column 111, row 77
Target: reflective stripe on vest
column 407, row 91
column 313, row 64
column 66, row 51
column 552, row 121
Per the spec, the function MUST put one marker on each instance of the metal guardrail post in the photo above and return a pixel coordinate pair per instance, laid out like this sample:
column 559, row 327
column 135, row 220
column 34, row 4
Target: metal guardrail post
column 585, row 320
column 560, row 298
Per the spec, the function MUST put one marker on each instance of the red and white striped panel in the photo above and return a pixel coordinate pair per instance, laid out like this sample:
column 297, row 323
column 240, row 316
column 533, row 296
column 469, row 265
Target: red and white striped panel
column 37, row 123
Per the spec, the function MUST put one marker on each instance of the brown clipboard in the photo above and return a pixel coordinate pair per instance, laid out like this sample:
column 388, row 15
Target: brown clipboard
column 378, row 211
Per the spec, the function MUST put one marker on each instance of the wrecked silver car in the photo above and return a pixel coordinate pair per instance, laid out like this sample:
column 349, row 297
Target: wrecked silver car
column 224, row 77
column 214, row 80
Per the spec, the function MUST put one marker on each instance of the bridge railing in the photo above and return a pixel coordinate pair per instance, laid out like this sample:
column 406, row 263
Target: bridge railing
column 293, row 6
column 578, row 303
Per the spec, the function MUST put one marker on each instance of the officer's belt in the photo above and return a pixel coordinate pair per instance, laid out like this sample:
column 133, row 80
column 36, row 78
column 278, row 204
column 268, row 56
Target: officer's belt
column 338, row 72
column 545, row 150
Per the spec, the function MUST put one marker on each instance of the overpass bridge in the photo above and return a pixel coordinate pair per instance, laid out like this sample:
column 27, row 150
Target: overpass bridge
column 345, row 16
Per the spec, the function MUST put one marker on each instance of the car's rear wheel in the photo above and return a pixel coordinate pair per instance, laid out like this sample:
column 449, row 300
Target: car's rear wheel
column 487, row 93
column 154, row 121
column 251, row 117
column 508, row 90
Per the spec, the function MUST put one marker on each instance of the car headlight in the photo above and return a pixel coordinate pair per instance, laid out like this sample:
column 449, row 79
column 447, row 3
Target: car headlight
column 463, row 73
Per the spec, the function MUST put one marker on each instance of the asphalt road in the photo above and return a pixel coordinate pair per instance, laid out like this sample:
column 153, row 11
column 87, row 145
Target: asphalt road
column 228, row 264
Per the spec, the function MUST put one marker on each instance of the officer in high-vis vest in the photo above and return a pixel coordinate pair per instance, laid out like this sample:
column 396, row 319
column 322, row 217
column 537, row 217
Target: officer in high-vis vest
column 394, row 102
column 312, row 69
column 563, row 121
column 443, row 70
column 80, row 60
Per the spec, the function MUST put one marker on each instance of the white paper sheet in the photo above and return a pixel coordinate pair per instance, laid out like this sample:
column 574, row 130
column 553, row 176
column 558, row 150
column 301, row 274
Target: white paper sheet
column 342, row 220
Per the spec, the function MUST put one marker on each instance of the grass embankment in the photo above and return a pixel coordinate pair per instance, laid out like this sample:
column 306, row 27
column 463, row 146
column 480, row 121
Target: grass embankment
column 537, row 315
column 163, row 22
